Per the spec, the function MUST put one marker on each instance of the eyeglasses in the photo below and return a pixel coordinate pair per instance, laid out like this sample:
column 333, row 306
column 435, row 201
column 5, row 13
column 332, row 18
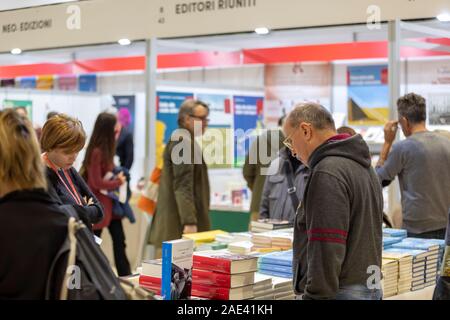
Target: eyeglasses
column 288, row 141
column 204, row 119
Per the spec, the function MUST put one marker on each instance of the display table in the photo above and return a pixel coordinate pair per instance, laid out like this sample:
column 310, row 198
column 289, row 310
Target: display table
column 424, row 294
column 229, row 218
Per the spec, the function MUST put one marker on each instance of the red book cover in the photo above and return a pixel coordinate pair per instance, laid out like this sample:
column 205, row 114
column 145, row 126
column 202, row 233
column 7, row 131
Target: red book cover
column 203, row 277
column 150, row 283
column 213, row 293
column 212, row 263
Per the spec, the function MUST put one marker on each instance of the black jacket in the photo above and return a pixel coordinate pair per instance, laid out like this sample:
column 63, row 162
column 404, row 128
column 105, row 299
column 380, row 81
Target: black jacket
column 32, row 230
column 89, row 214
column 338, row 227
column 125, row 148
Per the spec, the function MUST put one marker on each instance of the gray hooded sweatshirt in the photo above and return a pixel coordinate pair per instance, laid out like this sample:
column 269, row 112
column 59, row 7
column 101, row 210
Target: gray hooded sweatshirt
column 338, row 227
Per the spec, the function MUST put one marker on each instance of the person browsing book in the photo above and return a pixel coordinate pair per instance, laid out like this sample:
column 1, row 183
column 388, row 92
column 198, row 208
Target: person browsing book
column 337, row 229
column 62, row 139
column 421, row 162
column 97, row 166
column 33, row 227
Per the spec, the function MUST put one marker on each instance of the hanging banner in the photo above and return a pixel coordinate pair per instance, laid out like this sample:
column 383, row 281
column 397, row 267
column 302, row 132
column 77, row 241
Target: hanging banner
column 26, row 105
column 27, row 83
column 368, row 95
column 247, row 120
column 87, row 83
column 45, row 82
column 7, row 83
column 67, row 83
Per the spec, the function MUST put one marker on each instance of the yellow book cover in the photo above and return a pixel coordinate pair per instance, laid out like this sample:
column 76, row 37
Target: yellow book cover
column 203, row 237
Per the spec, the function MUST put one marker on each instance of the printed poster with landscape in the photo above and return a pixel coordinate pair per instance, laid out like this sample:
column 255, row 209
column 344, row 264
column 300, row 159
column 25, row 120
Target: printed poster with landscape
column 368, row 95
column 248, row 112
column 217, row 138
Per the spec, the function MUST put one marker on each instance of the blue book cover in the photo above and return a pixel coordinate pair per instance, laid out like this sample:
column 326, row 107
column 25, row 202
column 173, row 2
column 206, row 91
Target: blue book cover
column 388, row 232
column 282, row 258
column 276, row 274
column 388, row 241
column 275, row 267
column 177, row 262
column 418, row 244
column 417, row 254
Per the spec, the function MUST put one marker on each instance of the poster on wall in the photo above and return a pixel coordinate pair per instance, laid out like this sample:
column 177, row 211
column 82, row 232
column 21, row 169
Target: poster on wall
column 168, row 104
column 24, row 104
column 439, row 109
column 368, row 95
column 126, row 106
column 248, row 113
column 219, row 153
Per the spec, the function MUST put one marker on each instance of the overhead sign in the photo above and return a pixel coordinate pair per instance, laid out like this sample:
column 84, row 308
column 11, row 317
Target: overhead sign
column 104, row 21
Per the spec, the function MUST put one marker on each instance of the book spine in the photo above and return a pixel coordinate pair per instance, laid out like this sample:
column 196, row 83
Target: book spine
column 166, row 280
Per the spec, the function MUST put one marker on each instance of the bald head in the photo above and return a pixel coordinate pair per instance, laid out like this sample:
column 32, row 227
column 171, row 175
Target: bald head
column 313, row 113
column 307, row 126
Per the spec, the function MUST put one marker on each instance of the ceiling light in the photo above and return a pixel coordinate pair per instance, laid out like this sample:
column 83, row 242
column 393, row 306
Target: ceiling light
column 262, row 31
column 124, row 42
column 16, row 51
column 444, row 17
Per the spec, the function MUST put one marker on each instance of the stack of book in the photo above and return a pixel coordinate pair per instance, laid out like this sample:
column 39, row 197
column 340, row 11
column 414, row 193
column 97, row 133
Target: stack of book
column 233, row 237
column 221, row 275
column 395, row 233
column 388, row 242
column 431, row 263
column 211, row 246
column 418, row 265
column 263, row 287
column 200, row 238
column 264, row 225
column 390, row 277
column 283, row 288
column 276, row 264
column 404, row 269
column 242, row 247
column 150, row 277
column 281, row 240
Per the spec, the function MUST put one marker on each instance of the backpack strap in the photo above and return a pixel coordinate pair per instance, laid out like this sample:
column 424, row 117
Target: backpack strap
column 292, row 189
column 72, row 228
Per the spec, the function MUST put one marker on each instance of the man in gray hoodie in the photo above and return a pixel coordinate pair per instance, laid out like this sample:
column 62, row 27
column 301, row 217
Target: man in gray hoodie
column 338, row 226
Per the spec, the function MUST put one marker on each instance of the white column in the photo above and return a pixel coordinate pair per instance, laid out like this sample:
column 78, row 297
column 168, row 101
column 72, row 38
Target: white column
column 151, row 55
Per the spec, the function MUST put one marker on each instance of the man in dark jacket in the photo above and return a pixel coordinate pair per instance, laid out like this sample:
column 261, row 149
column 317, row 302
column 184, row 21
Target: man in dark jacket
column 284, row 186
column 337, row 231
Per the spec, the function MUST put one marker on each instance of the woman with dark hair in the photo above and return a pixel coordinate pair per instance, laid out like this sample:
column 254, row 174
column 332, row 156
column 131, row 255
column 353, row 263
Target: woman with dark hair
column 97, row 163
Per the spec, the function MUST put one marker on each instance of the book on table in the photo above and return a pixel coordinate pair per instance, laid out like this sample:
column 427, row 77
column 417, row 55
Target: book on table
column 225, row 262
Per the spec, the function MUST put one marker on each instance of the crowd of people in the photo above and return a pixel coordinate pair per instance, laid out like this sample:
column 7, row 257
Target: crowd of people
column 319, row 178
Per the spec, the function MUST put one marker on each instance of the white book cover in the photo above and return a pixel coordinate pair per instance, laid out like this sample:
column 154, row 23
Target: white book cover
column 177, row 262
